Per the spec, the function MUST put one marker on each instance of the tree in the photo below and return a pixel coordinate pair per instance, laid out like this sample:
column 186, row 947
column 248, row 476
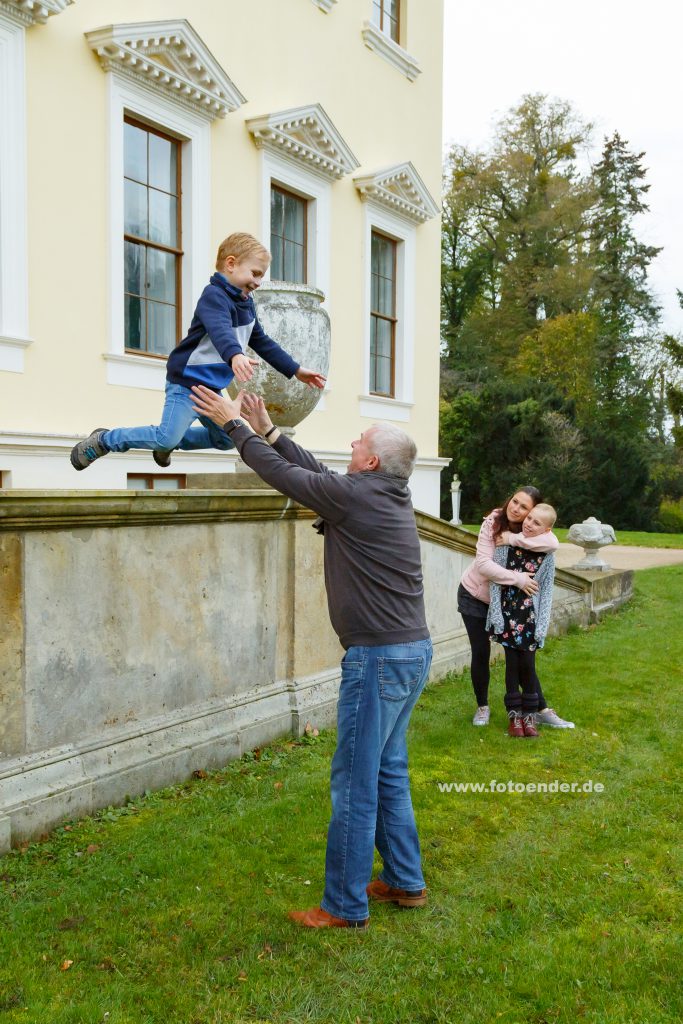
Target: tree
column 622, row 299
column 562, row 352
column 515, row 225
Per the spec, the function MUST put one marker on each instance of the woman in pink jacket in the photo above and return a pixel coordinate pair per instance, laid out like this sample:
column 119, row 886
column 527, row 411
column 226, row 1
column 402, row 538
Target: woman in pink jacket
column 473, row 595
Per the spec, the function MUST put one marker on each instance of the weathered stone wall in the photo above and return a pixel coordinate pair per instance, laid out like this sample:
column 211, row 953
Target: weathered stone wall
column 144, row 635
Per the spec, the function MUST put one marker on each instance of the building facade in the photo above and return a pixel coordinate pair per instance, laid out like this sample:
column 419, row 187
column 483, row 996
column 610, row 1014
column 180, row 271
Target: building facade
column 129, row 148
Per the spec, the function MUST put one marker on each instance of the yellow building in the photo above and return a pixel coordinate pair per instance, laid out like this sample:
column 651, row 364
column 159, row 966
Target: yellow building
column 139, row 133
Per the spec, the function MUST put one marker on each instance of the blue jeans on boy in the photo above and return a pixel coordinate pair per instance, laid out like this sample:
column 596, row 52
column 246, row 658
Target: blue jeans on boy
column 369, row 783
column 174, row 431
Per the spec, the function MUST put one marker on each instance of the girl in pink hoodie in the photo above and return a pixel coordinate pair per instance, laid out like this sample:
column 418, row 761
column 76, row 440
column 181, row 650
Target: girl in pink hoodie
column 473, row 595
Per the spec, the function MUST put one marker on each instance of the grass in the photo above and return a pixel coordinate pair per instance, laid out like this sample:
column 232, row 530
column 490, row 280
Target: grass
column 543, row 908
column 629, row 539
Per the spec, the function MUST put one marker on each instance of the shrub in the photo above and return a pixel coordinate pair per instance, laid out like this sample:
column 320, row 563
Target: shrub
column 671, row 516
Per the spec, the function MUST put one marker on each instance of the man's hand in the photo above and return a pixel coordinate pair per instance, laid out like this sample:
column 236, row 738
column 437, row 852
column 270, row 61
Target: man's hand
column 243, row 367
column 216, row 407
column 310, row 377
column 531, row 586
column 254, row 410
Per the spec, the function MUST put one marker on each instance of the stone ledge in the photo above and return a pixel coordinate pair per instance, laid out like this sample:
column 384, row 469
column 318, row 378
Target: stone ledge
column 67, row 510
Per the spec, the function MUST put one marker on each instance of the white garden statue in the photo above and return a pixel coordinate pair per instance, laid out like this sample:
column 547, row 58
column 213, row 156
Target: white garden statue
column 591, row 535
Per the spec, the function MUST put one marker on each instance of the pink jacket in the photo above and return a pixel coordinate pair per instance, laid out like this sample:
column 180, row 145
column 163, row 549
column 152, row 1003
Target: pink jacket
column 484, row 570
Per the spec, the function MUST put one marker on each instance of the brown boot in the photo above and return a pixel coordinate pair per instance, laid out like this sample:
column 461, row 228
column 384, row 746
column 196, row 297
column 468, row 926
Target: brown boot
column 529, row 727
column 316, row 917
column 383, row 893
column 516, row 727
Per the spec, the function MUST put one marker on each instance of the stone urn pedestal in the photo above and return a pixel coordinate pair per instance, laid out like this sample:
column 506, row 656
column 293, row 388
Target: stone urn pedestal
column 591, row 535
column 293, row 316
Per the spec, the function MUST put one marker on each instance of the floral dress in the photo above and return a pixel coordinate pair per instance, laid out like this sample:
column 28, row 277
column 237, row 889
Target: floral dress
column 519, row 616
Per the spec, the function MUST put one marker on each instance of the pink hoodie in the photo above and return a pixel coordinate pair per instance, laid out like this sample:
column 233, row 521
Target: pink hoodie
column 484, row 570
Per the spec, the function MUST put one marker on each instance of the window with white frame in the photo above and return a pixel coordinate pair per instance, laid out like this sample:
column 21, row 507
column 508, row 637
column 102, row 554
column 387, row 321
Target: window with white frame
column 298, row 228
column 288, row 235
column 390, row 300
column 152, row 239
column 386, row 15
column 159, row 226
column 382, row 315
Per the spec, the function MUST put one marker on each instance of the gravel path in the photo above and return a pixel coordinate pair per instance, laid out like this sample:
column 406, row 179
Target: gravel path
column 621, row 557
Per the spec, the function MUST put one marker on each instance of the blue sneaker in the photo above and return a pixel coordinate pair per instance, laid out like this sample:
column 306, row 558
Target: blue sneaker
column 85, row 452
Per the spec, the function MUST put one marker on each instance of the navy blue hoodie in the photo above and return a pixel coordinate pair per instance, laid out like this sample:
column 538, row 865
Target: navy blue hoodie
column 224, row 323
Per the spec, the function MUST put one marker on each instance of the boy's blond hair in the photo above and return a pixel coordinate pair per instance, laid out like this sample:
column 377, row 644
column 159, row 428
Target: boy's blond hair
column 548, row 513
column 240, row 245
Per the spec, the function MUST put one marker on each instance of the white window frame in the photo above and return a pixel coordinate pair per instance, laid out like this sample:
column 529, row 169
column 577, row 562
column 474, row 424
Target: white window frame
column 123, row 368
column 399, row 230
column 14, row 333
column 316, row 191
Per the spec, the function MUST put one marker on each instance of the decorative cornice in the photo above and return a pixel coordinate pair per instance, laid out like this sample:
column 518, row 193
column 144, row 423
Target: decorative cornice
column 307, row 135
column 32, row 12
column 401, row 190
column 325, row 5
column 379, row 42
column 170, row 57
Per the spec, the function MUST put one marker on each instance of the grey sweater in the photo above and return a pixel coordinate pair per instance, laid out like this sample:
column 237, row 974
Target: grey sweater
column 542, row 600
column 373, row 571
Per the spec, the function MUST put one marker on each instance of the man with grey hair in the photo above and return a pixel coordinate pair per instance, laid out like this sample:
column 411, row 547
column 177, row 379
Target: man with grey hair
column 373, row 578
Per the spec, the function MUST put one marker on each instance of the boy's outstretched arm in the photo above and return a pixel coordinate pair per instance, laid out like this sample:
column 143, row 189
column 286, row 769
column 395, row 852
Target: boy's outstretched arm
column 313, row 378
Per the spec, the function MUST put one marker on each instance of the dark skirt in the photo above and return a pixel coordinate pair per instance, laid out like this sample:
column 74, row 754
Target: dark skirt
column 470, row 605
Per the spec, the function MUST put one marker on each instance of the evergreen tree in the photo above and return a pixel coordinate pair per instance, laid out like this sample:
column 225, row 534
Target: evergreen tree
column 622, row 298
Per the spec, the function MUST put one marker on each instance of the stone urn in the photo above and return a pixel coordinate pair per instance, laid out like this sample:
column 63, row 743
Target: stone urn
column 591, row 535
column 293, row 316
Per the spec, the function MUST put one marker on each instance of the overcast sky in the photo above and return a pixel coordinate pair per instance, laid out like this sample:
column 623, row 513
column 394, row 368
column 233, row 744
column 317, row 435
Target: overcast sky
column 620, row 64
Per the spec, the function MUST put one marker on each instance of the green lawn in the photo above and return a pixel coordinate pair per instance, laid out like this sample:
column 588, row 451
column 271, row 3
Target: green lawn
column 546, row 908
column 629, row 539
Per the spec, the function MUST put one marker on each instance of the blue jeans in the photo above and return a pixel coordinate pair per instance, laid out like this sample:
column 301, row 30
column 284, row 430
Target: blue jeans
column 174, row 431
column 369, row 783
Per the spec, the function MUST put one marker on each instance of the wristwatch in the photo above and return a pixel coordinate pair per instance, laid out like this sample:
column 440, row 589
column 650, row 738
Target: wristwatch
column 232, row 425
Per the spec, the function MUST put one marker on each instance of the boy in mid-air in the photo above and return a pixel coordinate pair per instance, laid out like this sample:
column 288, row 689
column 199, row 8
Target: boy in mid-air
column 212, row 354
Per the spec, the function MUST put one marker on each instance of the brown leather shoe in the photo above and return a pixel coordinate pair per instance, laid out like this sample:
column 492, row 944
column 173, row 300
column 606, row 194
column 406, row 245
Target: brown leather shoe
column 516, row 726
column 529, row 726
column 316, row 917
column 383, row 893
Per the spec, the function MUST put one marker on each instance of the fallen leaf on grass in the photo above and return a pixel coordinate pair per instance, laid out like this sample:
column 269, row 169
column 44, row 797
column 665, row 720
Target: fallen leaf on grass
column 199, row 773
column 278, row 785
column 106, row 965
column 242, row 976
column 92, row 848
column 267, row 951
column 65, row 965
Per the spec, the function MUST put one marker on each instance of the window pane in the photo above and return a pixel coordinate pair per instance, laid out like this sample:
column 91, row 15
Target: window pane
column 382, row 377
column 135, row 209
column 162, row 163
column 377, row 13
column 161, row 277
column 134, row 322
column 161, row 339
column 276, row 267
column 386, row 257
column 383, row 338
column 277, row 202
column 294, row 219
column 374, row 293
column 387, row 297
column 294, row 263
column 137, row 484
column 163, row 218
column 134, row 152
column 166, row 483
column 134, row 259
column 374, row 254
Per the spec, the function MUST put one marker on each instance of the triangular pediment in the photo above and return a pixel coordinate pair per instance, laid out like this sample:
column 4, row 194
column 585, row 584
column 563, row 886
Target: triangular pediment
column 170, row 57
column 307, row 135
column 401, row 190
column 32, row 12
